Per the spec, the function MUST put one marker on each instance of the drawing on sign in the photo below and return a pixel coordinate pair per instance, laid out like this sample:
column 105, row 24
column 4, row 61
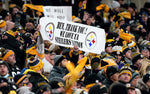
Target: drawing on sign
column 50, row 30
column 90, row 40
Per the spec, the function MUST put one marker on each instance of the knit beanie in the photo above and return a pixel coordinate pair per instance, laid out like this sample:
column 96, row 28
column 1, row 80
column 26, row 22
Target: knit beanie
column 57, row 82
column 98, row 89
column 115, row 4
column 4, row 63
column 91, row 80
column 132, row 5
column 117, row 50
column 135, row 56
column 126, row 69
column 109, row 43
column 134, row 75
column 35, row 63
column 129, row 86
column 7, row 53
column 58, row 59
column 19, row 78
column 118, row 88
column 111, row 70
column 125, row 48
column 42, row 87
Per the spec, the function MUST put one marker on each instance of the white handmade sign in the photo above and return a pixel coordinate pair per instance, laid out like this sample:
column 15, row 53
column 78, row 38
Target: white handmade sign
column 68, row 34
column 58, row 12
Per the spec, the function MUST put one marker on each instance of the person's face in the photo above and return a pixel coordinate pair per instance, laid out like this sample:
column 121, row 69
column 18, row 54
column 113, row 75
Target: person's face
column 29, row 26
column 138, row 63
column 144, row 18
column 117, row 9
column 35, row 35
column 81, row 56
column 128, row 54
column 121, row 22
column 128, row 28
column 115, row 77
column 145, row 53
column 148, row 83
column 118, row 57
column 130, row 9
column 47, row 92
column 134, row 81
column 25, row 82
column 131, row 91
column 3, row 70
column 52, row 59
column 89, row 21
column 63, row 63
column 15, row 10
column 11, row 59
column 125, row 77
column 108, row 49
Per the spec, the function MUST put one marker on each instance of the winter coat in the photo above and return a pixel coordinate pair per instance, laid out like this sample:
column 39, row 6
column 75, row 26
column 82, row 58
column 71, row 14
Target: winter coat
column 143, row 87
column 107, row 82
column 58, row 72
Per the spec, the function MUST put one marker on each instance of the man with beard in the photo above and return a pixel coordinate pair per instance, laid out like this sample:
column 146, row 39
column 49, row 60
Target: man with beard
column 9, row 58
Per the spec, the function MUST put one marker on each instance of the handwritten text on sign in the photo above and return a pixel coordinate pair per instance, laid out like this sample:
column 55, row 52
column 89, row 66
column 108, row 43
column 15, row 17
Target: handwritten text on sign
column 68, row 34
column 58, row 12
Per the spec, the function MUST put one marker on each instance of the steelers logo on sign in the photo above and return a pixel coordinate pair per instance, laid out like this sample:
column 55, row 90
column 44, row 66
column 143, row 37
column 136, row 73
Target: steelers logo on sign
column 91, row 40
column 50, row 30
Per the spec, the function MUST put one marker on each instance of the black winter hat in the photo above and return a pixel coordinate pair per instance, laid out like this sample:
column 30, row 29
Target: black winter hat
column 134, row 74
column 57, row 82
column 146, row 77
column 135, row 56
column 124, row 26
column 118, row 88
column 4, row 63
column 147, row 5
column 98, row 89
column 58, row 59
column 132, row 5
column 112, row 35
column 111, row 70
column 19, row 78
column 91, row 79
column 43, row 86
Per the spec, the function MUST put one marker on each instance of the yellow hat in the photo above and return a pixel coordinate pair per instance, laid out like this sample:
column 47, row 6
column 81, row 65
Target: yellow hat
column 2, row 23
column 125, row 48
